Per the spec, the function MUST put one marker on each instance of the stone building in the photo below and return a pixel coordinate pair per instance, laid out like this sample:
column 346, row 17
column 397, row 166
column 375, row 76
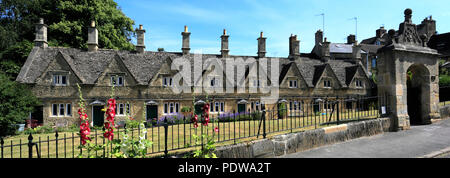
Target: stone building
column 408, row 72
column 143, row 80
column 426, row 28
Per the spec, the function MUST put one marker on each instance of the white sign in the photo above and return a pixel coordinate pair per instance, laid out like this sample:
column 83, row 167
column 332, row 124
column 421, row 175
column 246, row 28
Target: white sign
column 383, row 110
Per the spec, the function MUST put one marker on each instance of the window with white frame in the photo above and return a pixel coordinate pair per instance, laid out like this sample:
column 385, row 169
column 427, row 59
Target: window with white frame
column 359, row 83
column 217, row 107
column 59, row 80
column 292, row 83
column 61, row 110
column 326, row 83
column 167, row 81
column 222, row 107
column 214, row 82
column 256, row 83
column 171, row 107
column 68, row 109
column 117, row 80
column 122, row 109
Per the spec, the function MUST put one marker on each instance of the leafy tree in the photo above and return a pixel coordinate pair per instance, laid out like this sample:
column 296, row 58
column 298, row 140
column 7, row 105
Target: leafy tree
column 68, row 21
column 16, row 102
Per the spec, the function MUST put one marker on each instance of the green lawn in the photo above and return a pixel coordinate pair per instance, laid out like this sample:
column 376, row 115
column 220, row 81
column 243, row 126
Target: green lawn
column 179, row 136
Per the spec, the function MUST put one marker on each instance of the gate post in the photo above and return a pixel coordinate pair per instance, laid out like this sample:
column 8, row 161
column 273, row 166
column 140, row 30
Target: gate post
column 30, row 146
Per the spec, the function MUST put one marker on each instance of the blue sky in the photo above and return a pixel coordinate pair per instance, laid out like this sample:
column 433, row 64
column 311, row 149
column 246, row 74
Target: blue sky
column 244, row 19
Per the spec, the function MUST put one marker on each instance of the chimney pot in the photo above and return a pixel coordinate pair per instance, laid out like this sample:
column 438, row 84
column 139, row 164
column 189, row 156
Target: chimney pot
column 140, row 33
column 325, row 51
column 261, row 46
column 41, row 34
column 224, row 44
column 294, row 46
column 319, row 37
column 186, row 36
column 351, row 39
column 92, row 37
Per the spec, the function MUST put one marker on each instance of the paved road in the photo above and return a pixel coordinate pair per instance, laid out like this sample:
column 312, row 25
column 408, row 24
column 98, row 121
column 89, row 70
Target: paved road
column 417, row 142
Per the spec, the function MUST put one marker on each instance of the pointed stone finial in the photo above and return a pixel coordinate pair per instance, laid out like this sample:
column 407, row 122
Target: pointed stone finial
column 185, row 28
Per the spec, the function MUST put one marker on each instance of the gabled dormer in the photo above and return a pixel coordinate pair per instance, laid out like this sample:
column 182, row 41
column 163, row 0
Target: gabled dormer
column 290, row 77
column 325, row 78
column 165, row 75
column 59, row 72
column 214, row 77
column 356, row 78
column 116, row 74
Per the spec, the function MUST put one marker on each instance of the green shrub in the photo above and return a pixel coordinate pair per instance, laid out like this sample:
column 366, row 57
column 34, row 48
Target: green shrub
column 16, row 103
column 444, row 80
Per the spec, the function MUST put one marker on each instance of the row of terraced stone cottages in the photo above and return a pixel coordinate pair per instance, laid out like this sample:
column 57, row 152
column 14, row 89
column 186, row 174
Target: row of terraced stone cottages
column 144, row 80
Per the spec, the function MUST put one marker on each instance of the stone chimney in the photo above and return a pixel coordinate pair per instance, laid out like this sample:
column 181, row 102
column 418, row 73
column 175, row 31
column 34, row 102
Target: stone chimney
column 351, row 39
column 294, row 46
column 380, row 32
column 224, row 44
column 325, row 50
column 92, row 37
column 185, row 46
column 319, row 37
column 356, row 51
column 41, row 34
column 140, row 32
column 261, row 46
column 427, row 27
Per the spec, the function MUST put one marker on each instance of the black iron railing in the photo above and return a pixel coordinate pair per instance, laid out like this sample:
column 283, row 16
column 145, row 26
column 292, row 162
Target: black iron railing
column 170, row 133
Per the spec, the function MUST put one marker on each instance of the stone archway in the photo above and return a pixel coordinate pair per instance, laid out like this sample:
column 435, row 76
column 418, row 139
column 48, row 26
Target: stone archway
column 408, row 73
column 417, row 83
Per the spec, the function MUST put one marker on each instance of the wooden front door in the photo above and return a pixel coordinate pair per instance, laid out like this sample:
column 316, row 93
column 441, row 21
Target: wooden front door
column 241, row 108
column 98, row 115
column 152, row 112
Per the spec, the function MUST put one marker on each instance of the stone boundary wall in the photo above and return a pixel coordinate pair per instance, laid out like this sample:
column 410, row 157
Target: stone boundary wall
column 445, row 111
column 301, row 141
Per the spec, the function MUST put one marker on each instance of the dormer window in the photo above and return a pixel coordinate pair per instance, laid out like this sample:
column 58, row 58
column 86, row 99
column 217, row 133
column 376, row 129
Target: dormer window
column 256, row 83
column 214, row 82
column 359, row 84
column 59, row 80
column 167, row 81
column 327, row 84
column 117, row 80
column 292, row 83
